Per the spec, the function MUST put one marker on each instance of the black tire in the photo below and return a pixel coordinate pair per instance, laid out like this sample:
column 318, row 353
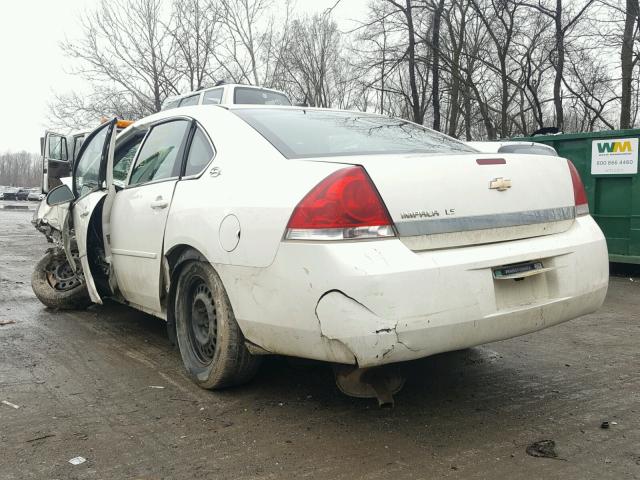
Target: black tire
column 56, row 286
column 210, row 341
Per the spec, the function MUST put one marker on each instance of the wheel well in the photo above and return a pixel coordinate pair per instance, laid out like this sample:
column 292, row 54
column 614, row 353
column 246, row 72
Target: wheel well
column 181, row 253
column 172, row 263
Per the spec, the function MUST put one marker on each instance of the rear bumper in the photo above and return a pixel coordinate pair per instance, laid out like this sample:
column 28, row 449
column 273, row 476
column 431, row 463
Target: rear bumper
column 378, row 302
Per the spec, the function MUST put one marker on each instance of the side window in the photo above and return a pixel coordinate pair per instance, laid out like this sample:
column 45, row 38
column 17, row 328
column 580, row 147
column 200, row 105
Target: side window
column 86, row 177
column 173, row 103
column 57, row 148
column 123, row 158
column 212, row 97
column 159, row 155
column 200, row 153
column 192, row 100
column 77, row 143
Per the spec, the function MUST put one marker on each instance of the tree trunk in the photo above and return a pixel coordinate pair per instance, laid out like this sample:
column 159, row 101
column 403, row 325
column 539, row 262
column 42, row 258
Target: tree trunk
column 454, row 98
column 415, row 99
column 504, row 101
column 435, row 45
column 484, row 112
column 557, row 82
column 383, row 65
column 626, row 57
column 467, row 112
column 456, row 78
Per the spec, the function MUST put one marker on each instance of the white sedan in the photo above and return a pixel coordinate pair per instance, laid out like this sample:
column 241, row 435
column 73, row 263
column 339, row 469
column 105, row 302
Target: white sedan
column 345, row 237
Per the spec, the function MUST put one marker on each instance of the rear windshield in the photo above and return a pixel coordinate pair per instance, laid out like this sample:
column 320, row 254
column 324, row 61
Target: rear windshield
column 256, row 96
column 317, row 133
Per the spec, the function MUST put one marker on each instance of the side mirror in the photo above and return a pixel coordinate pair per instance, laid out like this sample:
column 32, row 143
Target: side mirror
column 59, row 195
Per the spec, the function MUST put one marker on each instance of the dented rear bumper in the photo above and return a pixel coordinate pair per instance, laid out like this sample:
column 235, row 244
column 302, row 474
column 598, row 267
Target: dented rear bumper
column 374, row 341
column 371, row 303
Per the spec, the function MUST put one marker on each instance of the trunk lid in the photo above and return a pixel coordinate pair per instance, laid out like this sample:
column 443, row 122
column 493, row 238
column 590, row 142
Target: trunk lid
column 443, row 201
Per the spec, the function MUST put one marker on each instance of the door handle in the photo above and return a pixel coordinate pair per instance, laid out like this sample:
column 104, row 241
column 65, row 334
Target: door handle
column 159, row 203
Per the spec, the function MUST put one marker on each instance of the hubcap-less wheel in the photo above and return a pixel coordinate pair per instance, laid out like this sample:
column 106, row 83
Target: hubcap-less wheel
column 203, row 326
column 211, row 343
column 60, row 275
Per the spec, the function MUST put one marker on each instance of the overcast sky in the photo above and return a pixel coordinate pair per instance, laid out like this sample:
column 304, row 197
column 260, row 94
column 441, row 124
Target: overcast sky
column 32, row 67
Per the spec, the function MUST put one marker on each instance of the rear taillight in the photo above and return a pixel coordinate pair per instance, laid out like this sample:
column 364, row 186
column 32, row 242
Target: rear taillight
column 579, row 195
column 343, row 206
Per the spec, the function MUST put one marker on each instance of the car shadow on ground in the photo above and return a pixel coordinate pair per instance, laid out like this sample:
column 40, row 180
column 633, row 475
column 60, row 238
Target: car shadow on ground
column 474, row 380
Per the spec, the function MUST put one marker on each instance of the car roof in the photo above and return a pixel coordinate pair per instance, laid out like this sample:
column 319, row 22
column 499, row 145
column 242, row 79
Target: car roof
column 203, row 112
column 247, row 106
column 196, row 111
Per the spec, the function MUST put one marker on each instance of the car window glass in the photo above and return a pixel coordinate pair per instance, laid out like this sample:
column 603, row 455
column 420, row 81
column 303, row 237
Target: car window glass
column 57, row 147
column 299, row 133
column 212, row 97
column 77, row 143
column 257, row 96
column 192, row 100
column 158, row 156
column 123, row 158
column 200, row 153
column 170, row 104
column 87, row 174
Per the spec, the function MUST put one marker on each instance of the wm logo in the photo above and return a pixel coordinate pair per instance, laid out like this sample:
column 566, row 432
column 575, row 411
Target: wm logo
column 614, row 147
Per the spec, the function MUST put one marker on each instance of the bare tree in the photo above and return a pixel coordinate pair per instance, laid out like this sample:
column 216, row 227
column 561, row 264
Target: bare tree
column 312, row 60
column 195, row 28
column 20, row 169
column 435, row 66
column 72, row 111
column 533, row 56
column 417, row 104
column 563, row 22
column 472, row 68
column 125, row 42
column 243, row 46
column 628, row 59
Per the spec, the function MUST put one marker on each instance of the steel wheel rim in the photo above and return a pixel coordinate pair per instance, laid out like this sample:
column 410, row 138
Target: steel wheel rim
column 202, row 322
column 60, row 275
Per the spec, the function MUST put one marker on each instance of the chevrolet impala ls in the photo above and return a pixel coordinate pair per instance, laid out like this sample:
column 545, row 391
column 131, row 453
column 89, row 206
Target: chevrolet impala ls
column 345, row 237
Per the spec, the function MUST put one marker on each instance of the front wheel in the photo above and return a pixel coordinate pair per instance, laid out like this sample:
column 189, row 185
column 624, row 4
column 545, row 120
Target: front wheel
column 210, row 341
column 56, row 285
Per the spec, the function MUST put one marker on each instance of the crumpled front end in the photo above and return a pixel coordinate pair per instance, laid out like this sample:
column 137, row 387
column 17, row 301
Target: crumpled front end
column 51, row 221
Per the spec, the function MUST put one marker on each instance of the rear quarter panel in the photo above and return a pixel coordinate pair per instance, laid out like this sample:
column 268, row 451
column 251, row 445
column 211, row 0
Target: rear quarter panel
column 256, row 184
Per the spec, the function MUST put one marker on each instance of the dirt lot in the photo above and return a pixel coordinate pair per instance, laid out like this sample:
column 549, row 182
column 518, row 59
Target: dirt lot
column 85, row 384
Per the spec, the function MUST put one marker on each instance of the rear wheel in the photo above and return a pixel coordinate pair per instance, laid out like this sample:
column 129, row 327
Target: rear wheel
column 210, row 341
column 56, row 285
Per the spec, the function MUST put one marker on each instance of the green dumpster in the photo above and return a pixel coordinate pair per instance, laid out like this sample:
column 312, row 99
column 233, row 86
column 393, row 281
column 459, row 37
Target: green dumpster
column 608, row 164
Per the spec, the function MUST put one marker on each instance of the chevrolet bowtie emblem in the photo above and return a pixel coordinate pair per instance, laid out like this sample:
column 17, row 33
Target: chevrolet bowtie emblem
column 500, row 184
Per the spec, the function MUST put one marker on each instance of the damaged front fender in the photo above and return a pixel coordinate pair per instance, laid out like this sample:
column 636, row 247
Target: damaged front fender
column 51, row 221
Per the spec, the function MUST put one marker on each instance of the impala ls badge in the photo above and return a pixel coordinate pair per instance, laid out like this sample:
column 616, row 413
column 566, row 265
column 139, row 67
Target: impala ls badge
column 500, row 184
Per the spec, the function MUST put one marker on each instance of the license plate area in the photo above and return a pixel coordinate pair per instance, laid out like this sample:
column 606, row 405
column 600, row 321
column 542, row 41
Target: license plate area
column 523, row 283
column 519, row 270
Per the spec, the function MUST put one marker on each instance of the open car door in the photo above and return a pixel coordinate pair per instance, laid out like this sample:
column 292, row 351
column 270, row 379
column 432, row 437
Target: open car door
column 71, row 209
column 56, row 161
column 92, row 181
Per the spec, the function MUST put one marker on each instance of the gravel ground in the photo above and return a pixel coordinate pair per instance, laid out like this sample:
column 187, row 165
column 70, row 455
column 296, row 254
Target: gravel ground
column 107, row 385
